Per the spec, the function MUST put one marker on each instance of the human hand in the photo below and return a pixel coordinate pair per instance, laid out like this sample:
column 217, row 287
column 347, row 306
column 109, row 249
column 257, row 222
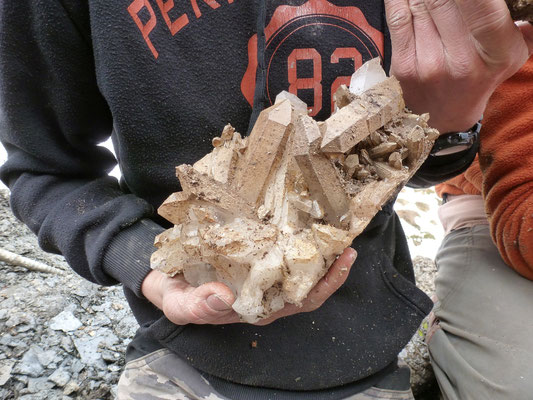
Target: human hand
column 211, row 302
column 450, row 55
column 329, row 284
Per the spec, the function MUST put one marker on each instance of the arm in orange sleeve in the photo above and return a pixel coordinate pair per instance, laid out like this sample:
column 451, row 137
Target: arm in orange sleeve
column 506, row 159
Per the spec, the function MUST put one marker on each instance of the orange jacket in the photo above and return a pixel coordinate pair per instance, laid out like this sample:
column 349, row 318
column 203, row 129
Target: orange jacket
column 504, row 171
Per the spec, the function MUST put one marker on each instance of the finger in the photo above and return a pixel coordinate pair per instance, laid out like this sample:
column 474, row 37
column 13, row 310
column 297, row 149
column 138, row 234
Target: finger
column 400, row 23
column 215, row 290
column 451, row 28
column 429, row 47
column 490, row 23
column 527, row 31
column 207, row 304
column 335, row 277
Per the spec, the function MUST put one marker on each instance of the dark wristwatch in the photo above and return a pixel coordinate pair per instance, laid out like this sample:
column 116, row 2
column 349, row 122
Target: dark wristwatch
column 456, row 142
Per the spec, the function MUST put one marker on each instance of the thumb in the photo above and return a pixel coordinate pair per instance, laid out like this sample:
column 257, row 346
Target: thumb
column 215, row 295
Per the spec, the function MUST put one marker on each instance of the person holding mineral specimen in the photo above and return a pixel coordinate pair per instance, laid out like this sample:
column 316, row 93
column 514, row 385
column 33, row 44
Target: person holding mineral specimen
column 161, row 78
column 480, row 346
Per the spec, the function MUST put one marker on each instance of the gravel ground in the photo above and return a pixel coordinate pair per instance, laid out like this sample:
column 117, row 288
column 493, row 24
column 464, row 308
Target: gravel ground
column 62, row 337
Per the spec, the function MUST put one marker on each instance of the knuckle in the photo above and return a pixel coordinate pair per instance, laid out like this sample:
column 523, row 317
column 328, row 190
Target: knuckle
column 418, row 7
column 435, row 5
column 398, row 19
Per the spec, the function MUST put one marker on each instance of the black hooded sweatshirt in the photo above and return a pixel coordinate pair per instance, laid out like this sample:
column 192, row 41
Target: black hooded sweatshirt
column 162, row 77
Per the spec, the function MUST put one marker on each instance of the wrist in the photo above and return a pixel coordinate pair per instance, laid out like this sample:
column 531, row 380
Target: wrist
column 152, row 288
column 458, row 124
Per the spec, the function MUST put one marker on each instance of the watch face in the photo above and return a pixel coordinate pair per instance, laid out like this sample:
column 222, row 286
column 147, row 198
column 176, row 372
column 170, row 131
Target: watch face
column 452, row 150
column 456, row 142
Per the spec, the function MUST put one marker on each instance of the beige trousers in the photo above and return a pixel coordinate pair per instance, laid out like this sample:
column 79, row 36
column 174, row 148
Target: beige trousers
column 481, row 345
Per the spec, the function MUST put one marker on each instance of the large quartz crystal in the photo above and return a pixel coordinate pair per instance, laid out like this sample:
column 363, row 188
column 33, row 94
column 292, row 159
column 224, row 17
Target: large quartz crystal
column 268, row 214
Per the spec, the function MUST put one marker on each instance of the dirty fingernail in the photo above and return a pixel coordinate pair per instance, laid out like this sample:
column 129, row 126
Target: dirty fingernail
column 218, row 303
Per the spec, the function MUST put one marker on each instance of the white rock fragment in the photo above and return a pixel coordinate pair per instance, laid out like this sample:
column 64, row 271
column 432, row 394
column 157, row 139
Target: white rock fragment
column 5, row 371
column 60, row 377
column 65, row 321
column 268, row 214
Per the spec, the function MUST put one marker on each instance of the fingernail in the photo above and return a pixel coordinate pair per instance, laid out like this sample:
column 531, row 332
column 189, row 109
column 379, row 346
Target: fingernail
column 217, row 303
column 352, row 255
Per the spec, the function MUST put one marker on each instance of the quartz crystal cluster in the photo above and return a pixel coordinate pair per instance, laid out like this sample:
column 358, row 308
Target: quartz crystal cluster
column 521, row 9
column 269, row 213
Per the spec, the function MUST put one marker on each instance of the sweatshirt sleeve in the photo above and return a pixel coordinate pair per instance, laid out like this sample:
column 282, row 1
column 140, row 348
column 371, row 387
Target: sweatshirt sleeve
column 52, row 117
column 506, row 159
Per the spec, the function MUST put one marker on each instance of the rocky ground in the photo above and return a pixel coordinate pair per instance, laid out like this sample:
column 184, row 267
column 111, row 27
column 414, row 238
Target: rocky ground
column 62, row 337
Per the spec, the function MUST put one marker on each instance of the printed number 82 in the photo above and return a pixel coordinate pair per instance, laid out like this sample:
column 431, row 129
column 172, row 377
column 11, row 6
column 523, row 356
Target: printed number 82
column 315, row 82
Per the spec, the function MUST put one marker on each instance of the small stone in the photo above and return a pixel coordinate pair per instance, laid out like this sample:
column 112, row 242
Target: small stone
column 7, row 340
column 38, row 385
column 65, row 321
column 60, row 377
column 114, row 368
column 127, row 326
column 110, row 356
column 66, row 344
column 29, row 365
column 84, row 288
column 5, row 371
column 76, row 366
column 70, row 388
column 46, row 357
column 20, row 319
column 52, row 281
column 101, row 320
column 88, row 347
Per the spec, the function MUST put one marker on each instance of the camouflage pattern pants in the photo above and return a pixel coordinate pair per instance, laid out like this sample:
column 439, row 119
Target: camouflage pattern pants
column 162, row 375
